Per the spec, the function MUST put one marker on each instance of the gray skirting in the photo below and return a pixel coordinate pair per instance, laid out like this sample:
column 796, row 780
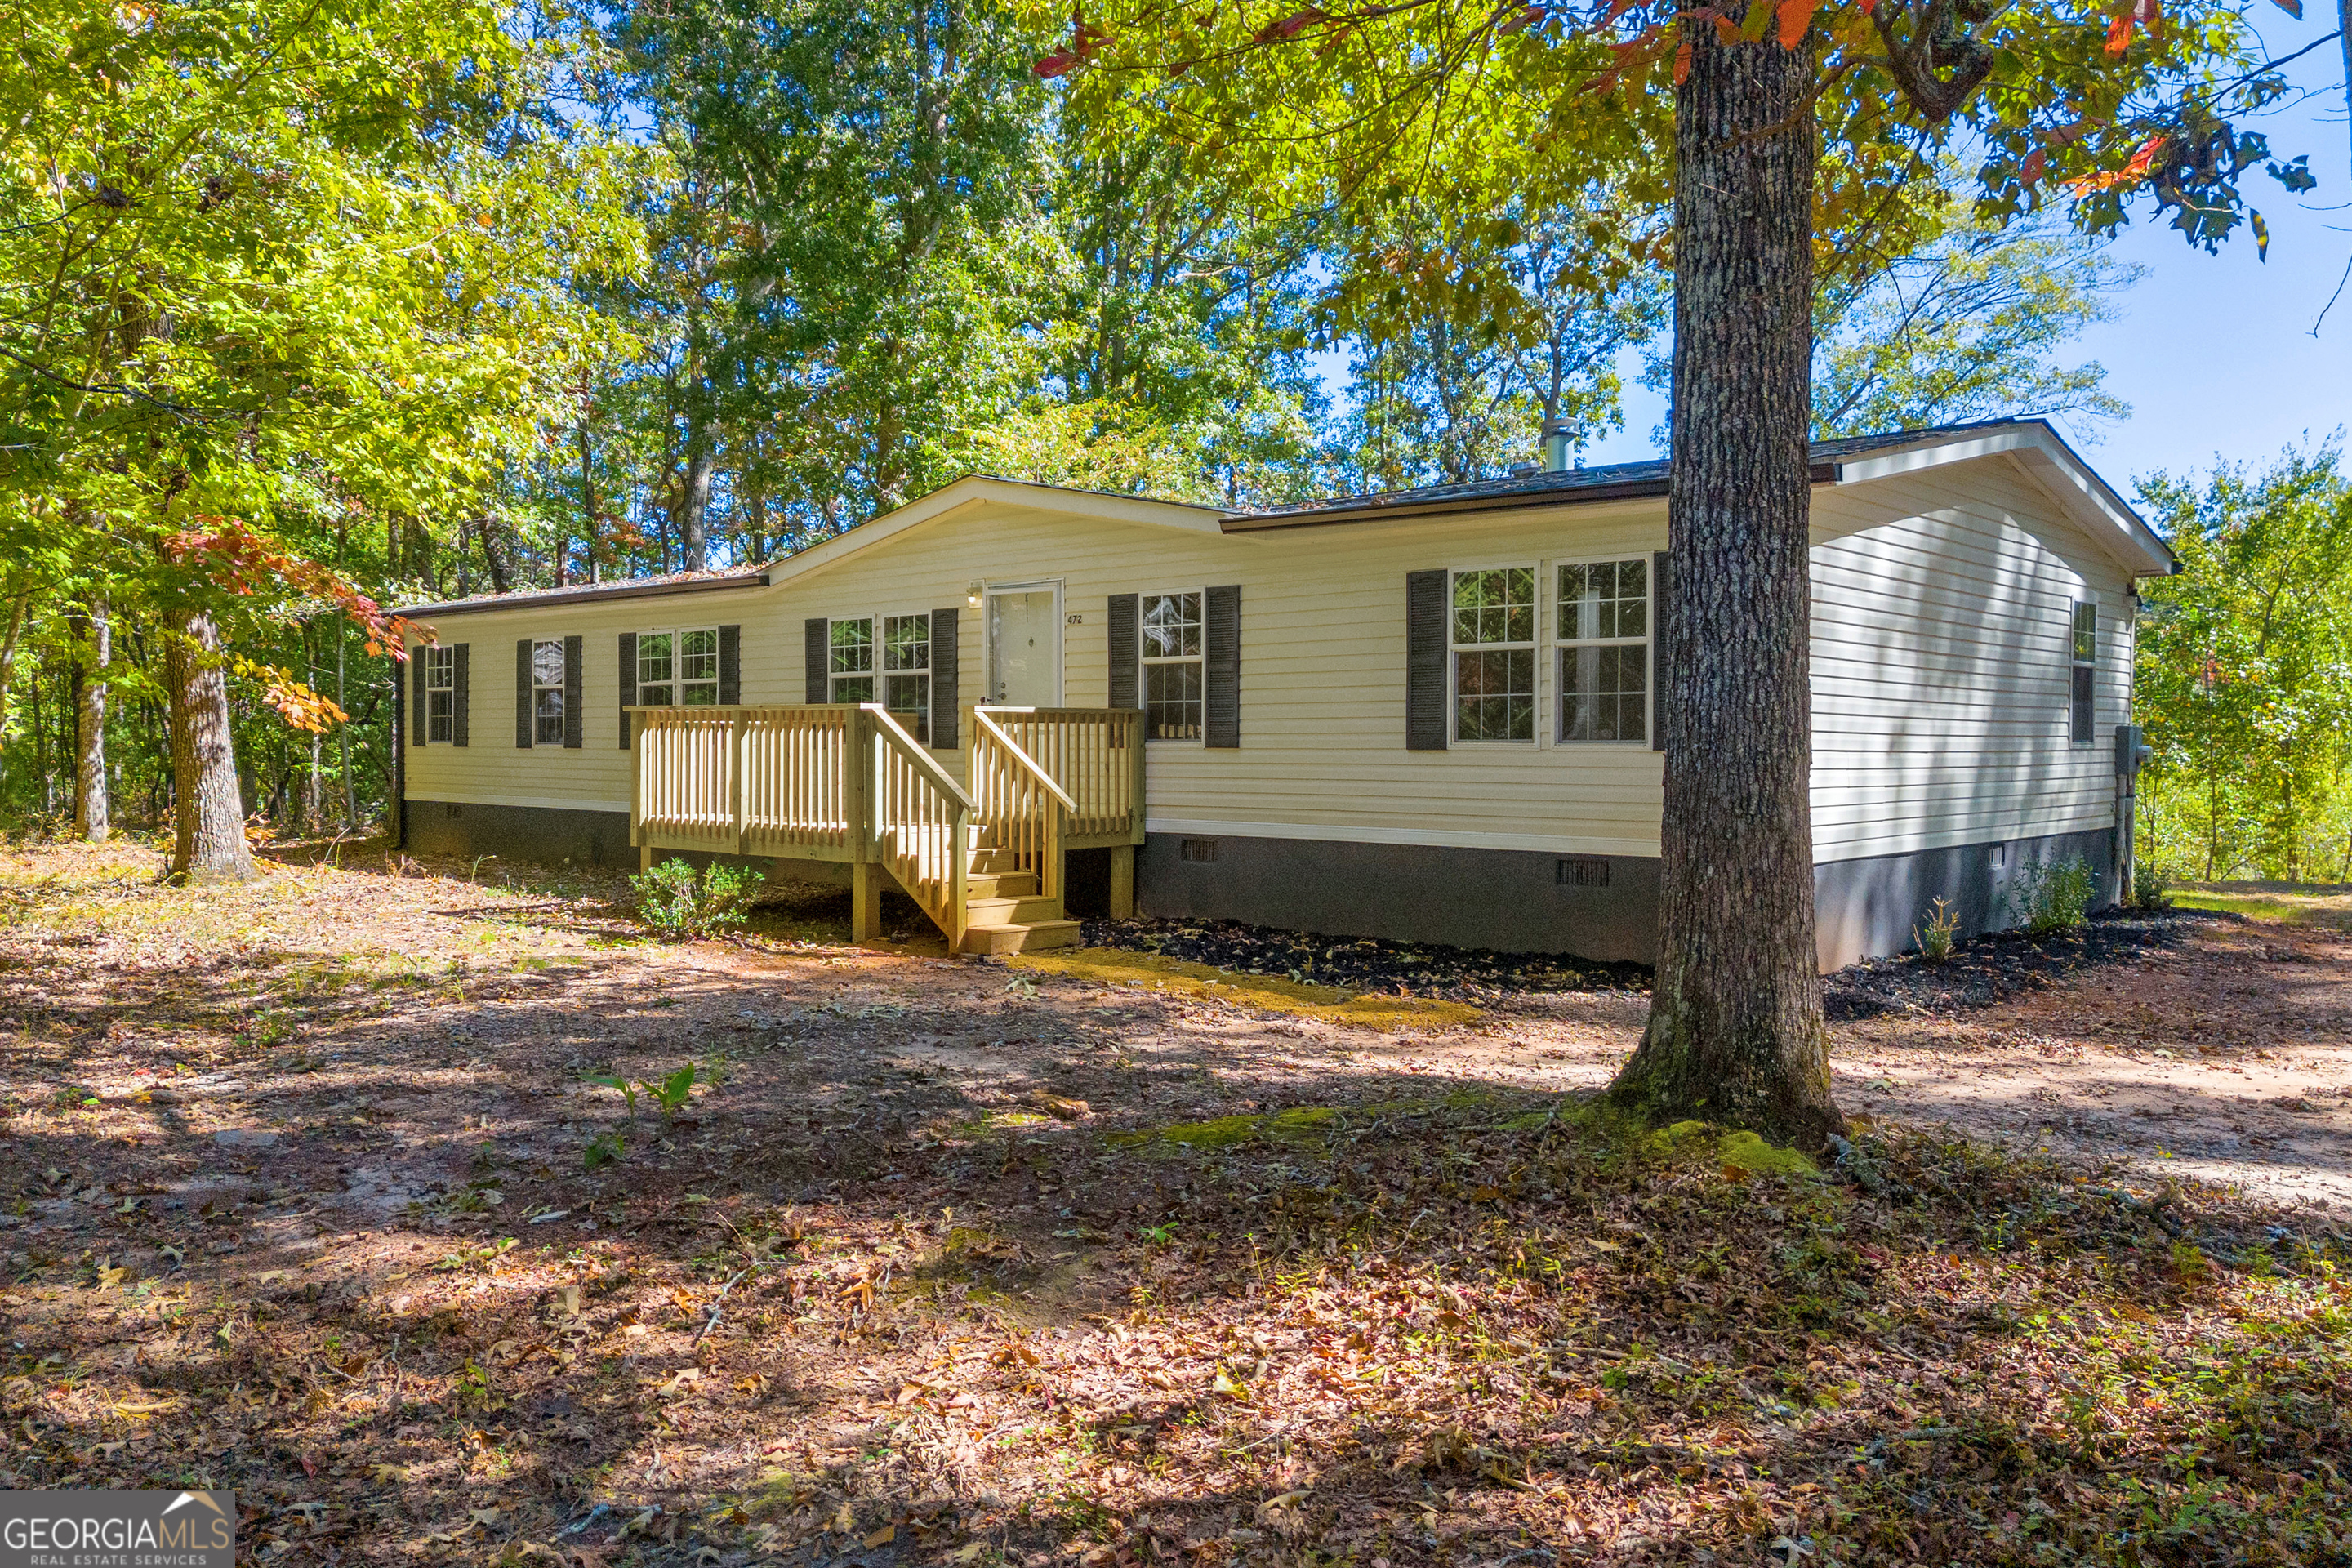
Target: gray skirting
column 543, row 833
column 1597, row 907
column 1600, row 906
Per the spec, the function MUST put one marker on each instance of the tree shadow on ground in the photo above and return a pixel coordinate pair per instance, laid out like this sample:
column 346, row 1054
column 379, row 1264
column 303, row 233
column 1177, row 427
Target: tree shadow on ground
column 938, row 1263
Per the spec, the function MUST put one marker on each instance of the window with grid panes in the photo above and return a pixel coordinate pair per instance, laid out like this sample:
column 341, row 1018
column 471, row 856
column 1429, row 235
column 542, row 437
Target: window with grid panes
column 906, row 672
column 2082, row 676
column 1170, row 624
column 547, row 693
column 679, row 669
column 1494, row 633
column 440, row 695
column 1603, row 632
column 849, row 669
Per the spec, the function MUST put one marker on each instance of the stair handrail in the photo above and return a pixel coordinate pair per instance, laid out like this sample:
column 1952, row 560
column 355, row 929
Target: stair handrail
column 1023, row 805
column 996, row 732
column 891, row 731
column 950, row 911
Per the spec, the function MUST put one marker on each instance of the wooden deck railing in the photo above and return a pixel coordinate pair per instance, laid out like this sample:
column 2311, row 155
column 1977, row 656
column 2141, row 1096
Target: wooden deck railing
column 1020, row 808
column 1096, row 754
column 845, row 781
column 920, row 821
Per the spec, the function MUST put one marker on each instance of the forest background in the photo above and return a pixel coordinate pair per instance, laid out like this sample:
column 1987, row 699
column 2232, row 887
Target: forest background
column 315, row 308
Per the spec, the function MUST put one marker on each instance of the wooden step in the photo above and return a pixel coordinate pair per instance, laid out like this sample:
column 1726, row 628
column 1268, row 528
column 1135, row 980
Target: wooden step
column 1012, row 912
column 1027, row 937
column 1001, row 884
column 986, row 860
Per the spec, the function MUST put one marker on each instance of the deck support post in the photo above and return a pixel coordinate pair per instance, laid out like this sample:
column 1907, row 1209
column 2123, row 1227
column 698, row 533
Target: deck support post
column 645, row 858
column 864, row 901
column 1122, row 882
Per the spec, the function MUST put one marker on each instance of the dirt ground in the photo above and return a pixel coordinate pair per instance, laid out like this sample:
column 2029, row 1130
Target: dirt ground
column 955, row 1261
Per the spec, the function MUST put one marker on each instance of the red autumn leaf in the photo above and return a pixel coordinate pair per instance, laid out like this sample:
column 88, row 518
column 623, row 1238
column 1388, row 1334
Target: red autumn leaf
column 1796, row 17
column 2031, row 169
column 1869, row 8
column 1290, row 26
column 1061, row 62
column 2291, row 7
column 2119, row 35
column 1682, row 62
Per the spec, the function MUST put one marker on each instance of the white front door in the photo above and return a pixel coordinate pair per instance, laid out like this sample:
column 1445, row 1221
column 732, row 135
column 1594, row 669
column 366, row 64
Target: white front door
column 1025, row 647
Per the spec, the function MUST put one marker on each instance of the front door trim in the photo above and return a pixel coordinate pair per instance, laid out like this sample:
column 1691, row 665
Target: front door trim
column 989, row 591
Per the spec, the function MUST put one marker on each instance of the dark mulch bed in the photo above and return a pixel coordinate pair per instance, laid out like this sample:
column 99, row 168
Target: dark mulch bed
column 1984, row 970
column 1992, row 968
column 1418, row 969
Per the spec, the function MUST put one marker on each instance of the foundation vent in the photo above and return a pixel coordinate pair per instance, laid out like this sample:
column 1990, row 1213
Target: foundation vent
column 1581, row 871
column 1201, row 851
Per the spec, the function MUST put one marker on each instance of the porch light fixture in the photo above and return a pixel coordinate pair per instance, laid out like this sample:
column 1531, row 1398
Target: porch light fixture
column 972, row 591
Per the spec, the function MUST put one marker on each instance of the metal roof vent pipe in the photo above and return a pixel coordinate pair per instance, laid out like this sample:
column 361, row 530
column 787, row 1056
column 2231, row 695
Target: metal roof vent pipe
column 1559, row 444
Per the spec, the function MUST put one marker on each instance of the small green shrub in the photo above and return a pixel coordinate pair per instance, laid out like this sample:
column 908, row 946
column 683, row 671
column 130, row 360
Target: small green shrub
column 2149, row 891
column 2053, row 896
column 1942, row 929
column 675, row 902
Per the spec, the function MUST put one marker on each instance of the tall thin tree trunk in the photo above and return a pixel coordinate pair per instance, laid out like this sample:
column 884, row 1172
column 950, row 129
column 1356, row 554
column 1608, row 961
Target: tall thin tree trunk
column 344, row 738
column 1736, row 1032
column 209, row 842
column 92, row 808
column 693, row 502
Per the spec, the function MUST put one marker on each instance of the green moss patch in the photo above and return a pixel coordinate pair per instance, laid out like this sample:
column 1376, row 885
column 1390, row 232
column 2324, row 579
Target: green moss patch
column 1371, row 1010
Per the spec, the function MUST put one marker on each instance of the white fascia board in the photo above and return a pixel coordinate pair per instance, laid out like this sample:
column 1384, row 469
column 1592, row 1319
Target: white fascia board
column 969, row 494
column 2103, row 514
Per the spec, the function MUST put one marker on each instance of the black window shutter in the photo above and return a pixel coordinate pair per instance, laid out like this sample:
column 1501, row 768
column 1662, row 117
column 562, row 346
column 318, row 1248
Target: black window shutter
column 1126, row 650
column 1659, row 627
column 1222, row 668
column 947, row 688
column 819, row 641
column 460, row 700
column 628, row 684
column 522, row 692
column 572, row 717
column 417, row 658
column 1424, row 661
column 730, row 666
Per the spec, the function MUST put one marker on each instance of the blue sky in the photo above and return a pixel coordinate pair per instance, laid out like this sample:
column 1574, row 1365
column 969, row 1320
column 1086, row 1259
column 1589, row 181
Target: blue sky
column 2215, row 353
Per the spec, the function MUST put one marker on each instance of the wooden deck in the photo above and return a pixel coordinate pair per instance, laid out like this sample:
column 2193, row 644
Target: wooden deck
column 985, row 859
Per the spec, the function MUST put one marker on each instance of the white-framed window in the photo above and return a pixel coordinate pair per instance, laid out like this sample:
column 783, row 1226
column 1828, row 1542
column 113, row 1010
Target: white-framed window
column 547, row 692
column 1494, row 652
column 679, row 667
column 1171, row 631
column 1602, row 633
column 2082, row 675
column 440, row 695
column 849, row 666
column 906, row 672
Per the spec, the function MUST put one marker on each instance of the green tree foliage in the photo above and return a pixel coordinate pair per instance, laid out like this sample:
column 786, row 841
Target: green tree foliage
column 287, row 287
column 1965, row 327
column 2245, row 673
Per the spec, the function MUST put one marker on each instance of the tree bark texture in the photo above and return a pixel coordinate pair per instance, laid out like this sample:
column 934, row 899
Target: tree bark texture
column 92, row 813
column 693, row 502
column 1736, row 1032
column 209, row 815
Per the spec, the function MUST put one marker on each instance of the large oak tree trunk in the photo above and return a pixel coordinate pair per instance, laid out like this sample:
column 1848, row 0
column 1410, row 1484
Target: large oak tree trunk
column 209, row 846
column 1736, row 1032
column 92, row 806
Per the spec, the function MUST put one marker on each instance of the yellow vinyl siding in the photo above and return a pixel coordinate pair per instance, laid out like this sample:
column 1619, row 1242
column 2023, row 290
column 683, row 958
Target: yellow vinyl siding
column 1939, row 668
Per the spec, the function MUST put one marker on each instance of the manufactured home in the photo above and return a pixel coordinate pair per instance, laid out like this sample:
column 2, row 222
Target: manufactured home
column 1428, row 715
